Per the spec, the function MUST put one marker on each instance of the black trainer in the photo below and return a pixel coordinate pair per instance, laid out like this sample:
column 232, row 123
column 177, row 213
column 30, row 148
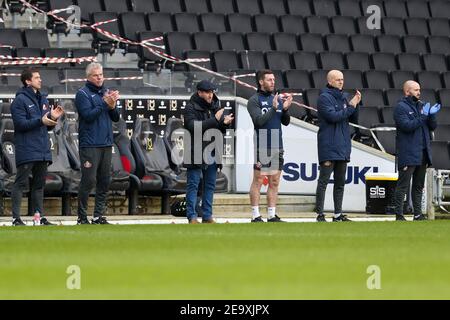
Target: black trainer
column 18, row 222
column 400, row 217
column 82, row 221
column 275, row 219
column 258, row 219
column 45, row 222
column 321, row 218
column 99, row 220
column 342, row 217
column 420, row 217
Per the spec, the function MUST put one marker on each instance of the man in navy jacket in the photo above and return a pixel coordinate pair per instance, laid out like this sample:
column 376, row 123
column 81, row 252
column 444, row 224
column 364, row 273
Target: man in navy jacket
column 32, row 117
column 335, row 112
column 413, row 120
column 96, row 109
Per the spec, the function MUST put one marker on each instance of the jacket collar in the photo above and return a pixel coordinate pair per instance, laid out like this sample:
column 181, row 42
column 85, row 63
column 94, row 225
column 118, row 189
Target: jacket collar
column 36, row 97
column 411, row 102
column 200, row 104
column 94, row 88
column 265, row 93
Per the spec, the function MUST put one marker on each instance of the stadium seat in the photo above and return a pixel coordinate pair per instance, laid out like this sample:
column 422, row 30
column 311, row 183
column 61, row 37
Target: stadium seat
column 446, row 78
column 88, row 6
column 444, row 97
column 319, row 25
column 305, row 60
column 131, row 23
column 266, row 23
column 139, row 5
column 252, row 60
column 377, row 79
column 389, row 44
column 274, row 7
column 259, row 41
column 206, row 41
column 148, row 60
column 122, row 6
column 326, row 8
column 366, row 3
column 434, row 62
column 358, row 61
column 442, row 131
column 248, row 7
column 12, row 37
column 186, row 22
column 198, row 54
column 284, row 41
column 319, row 78
column 384, row 61
column 343, row 25
column 278, row 60
column 439, row 26
column 196, row 6
column 418, row 9
column 293, row 24
column 298, row 79
column 396, row 9
column 169, row 6
column 348, row 8
column 102, row 43
column 299, row 7
column 213, row 22
column 399, row 77
column 387, row 113
column 393, row 26
column 393, row 96
column 353, row 79
column 28, row 52
column 440, row 154
column 439, row 8
column 363, row 28
column 232, row 41
column 36, row 38
column 222, row 6
column 417, row 27
column 337, row 43
column 409, row 62
column 177, row 42
column 54, row 25
column 415, row 44
column 372, row 98
column 225, row 61
column 429, row 80
column 239, row 22
column 428, row 95
column 368, row 117
column 311, row 42
column 160, row 22
column 332, row 60
column 362, row 43
column 439, row 44
column 387, row 140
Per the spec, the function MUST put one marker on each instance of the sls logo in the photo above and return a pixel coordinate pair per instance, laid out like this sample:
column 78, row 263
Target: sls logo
column 377, row 192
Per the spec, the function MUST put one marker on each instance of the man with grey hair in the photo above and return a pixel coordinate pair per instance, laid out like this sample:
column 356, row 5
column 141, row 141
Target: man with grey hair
column 96, row 107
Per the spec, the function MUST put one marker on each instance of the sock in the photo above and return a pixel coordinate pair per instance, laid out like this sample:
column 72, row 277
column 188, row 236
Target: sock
column 416, row 216
column 271, row 212
column 255, row 212
column 337, row 215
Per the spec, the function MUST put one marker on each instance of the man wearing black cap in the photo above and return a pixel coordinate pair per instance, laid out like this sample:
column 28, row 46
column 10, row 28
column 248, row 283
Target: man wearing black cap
column 202, row 113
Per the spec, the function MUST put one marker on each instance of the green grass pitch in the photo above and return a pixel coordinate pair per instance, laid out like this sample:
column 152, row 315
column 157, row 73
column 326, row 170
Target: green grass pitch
column 228, row 261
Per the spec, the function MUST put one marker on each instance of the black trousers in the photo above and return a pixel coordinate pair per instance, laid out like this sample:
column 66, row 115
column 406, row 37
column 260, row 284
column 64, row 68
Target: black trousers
column 39, row 170
column 339, row 168
column 95, row 172
column 418, row 180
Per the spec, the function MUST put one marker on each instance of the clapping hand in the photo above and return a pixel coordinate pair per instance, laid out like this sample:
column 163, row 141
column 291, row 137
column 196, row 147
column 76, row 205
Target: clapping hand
column 426, row 109
column 435, row 109
column 56, row 113
column 111, row 98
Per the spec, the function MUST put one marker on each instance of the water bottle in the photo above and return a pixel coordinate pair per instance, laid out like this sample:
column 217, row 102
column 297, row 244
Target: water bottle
column 37, row 219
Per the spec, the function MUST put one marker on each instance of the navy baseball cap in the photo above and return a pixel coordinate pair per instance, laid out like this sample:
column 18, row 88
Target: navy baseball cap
column 206, row 85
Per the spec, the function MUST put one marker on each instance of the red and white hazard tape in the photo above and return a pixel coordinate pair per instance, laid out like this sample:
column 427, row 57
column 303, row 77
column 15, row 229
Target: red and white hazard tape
column 115, row 78
column 40, row 60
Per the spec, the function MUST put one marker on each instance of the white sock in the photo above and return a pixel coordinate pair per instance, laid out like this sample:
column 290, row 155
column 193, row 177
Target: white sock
column 271, row 212
column 255, row 212
column 337, row 215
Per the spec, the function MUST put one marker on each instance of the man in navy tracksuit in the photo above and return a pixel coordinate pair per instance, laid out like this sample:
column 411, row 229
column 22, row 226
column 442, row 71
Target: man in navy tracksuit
column 413, row 120
column 96, row 109
column 268, row 112
column 32, row 119
column 335, row 112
